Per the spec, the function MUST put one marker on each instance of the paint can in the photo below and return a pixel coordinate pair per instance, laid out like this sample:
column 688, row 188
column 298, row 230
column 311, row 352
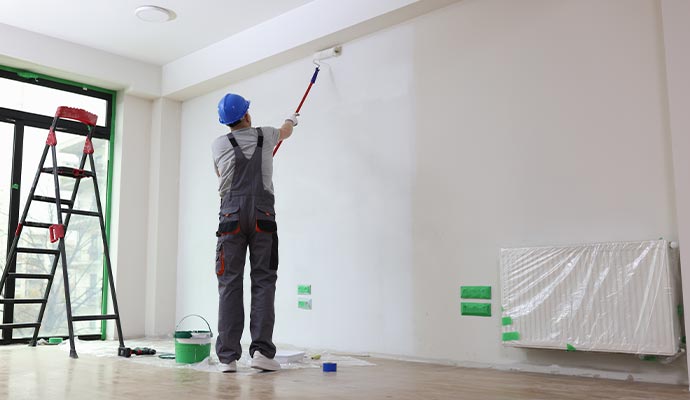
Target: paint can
column 192, row 346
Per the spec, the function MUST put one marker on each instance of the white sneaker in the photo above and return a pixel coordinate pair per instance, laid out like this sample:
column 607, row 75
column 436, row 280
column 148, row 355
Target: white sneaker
column 232, row 367
column 264, row 363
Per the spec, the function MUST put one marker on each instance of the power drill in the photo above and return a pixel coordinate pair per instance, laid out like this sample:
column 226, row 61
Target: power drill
column 138, row 351
column 143, row 351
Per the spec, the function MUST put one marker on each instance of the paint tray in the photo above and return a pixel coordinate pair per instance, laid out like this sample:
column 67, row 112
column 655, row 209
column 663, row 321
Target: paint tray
column 289, row 356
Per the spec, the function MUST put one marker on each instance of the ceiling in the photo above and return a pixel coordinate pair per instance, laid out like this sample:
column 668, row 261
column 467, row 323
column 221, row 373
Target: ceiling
column 112, row 26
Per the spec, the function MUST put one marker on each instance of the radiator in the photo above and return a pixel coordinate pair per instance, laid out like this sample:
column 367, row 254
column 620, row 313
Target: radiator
column 608, row 297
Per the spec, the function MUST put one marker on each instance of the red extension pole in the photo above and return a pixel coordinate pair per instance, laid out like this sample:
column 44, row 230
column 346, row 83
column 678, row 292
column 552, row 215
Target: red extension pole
column 313, row 81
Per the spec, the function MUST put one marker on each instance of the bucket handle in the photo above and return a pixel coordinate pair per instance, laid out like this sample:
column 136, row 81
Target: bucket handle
column 195, row 315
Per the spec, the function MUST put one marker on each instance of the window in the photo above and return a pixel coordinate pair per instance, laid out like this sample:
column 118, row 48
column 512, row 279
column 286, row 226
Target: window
column 27, row 105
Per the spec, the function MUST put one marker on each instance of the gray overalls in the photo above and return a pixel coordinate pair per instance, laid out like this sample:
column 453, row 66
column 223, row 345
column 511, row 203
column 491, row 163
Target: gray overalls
column 247, row 218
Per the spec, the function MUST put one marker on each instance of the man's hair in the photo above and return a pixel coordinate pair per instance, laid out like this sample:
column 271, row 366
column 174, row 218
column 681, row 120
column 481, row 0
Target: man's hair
column 234, row 124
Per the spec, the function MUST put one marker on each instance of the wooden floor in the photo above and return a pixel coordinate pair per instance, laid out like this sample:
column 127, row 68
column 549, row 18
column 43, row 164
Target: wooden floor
column 48, row 373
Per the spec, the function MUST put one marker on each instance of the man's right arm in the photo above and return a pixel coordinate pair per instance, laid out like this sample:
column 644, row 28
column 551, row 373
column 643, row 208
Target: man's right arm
column 288, row 125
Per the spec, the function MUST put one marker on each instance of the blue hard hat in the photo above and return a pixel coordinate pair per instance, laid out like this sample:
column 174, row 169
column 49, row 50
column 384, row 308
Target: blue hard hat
column 232, row 108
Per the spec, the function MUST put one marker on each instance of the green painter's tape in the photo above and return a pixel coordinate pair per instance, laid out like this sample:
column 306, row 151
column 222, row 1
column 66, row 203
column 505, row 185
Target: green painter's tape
column 28, row 75
column 507, row 321
column 649, row 358
column 680, row 311
column 108, row 209
column 476, row 309
column 570, row 347
column 33, row 75
column 303, row 289
column 510, row 336
column 475, row 292
column 15, row 186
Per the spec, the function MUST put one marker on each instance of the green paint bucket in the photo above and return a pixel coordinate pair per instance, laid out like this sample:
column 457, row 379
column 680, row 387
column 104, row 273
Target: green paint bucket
column 192, row 346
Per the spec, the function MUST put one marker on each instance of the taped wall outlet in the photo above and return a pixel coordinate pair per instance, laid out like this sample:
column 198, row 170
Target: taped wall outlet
column 304, row 304
column 304, row 289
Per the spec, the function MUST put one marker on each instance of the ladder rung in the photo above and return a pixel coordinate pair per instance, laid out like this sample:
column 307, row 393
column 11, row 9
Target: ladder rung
column 20, row 325
column 93, row 317
column 22, row 301
column 52, row 200
column 81, row 212
column 37, row 251
column 69, row 172
column 29, row 224
column 29, row 276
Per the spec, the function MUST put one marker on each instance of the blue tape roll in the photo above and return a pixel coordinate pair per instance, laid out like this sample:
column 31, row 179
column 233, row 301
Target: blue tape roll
column 330, row 367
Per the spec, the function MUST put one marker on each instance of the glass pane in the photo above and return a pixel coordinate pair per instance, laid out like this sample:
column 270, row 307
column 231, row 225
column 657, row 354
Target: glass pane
column 6, row 143
column 83, row 242
column 42, row 100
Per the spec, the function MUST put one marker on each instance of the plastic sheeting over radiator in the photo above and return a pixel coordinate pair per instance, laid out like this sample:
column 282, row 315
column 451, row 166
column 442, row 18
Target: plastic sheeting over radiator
column 609, row 297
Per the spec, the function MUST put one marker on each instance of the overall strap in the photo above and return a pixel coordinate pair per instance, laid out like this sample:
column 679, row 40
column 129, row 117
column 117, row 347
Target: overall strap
column 260, row 142
column 232, row 140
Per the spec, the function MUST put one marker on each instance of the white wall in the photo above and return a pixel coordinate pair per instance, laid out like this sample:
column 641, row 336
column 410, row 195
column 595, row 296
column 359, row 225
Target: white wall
column 144, row 217
column 556, row 133
column 163, row 191
column 676, row 17
column 129, row 229
column 427, row 147
column 343, row 211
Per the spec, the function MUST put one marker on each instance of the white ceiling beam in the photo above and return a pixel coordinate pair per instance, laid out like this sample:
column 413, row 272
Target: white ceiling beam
column 288, row 37
column 47, row 55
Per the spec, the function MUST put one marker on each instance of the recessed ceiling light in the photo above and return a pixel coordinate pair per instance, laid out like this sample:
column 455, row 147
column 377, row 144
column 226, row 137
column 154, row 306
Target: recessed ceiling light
column 154, row 14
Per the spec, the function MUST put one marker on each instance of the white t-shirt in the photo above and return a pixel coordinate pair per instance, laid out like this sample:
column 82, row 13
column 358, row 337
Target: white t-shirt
column 224, row 155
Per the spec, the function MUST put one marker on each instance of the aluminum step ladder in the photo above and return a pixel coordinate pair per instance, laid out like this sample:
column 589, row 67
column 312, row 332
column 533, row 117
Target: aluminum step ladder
column 56, row 232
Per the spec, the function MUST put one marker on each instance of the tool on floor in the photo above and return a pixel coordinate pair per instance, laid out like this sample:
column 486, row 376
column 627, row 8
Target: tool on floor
column 143, row 351
column 56, row 232
column 318, row 57
column 137, row 351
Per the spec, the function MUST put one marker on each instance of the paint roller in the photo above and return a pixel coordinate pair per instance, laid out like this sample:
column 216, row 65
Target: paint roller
column 318, row 57
column 326, row 54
